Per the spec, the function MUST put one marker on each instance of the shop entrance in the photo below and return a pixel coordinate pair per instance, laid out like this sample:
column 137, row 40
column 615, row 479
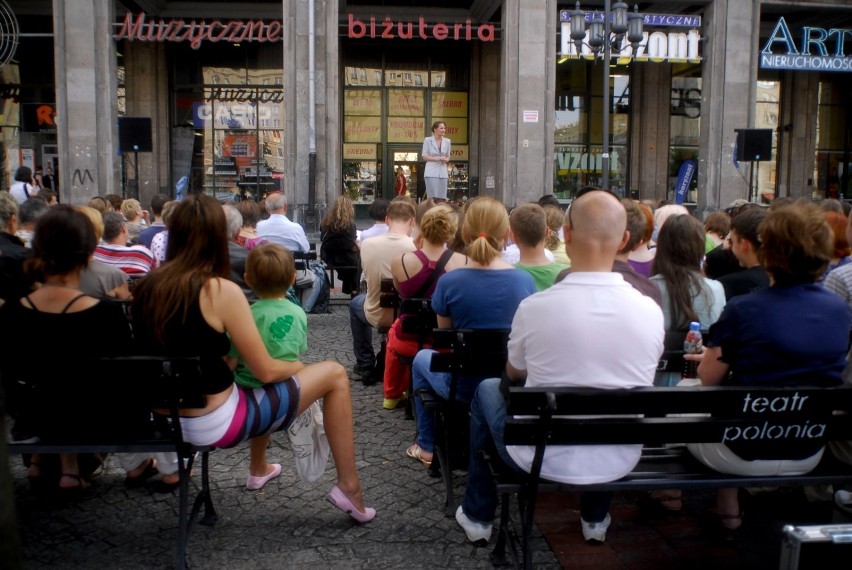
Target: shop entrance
column 404, row 158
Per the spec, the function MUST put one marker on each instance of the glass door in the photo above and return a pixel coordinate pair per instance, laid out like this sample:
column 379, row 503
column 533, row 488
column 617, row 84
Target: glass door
column 405, row 177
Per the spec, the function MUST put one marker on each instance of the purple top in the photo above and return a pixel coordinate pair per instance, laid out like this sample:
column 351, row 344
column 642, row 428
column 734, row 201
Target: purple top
column 642, row 267
column 412, row 285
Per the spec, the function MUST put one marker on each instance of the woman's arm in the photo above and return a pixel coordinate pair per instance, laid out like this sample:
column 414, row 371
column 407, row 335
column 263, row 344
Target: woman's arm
column 711, row 370
column 226, row 304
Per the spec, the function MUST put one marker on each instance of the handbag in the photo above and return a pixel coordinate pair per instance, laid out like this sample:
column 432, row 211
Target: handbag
column 310, row 444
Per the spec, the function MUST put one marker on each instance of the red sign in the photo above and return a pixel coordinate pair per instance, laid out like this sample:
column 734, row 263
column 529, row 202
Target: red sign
column 389, row 30
column 197, row 31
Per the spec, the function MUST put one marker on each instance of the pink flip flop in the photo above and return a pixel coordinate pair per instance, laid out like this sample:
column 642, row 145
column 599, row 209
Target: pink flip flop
column 254, row 483
column 337, row 498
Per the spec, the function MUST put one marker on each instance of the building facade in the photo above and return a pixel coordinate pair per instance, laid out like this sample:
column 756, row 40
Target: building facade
column 321, row 97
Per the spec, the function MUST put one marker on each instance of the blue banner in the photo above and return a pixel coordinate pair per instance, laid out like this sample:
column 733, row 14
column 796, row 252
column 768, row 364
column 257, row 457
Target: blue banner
column 684, row 179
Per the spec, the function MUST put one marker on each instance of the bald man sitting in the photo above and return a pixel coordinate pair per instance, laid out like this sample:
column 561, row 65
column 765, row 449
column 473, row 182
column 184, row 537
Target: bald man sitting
column 592, row 329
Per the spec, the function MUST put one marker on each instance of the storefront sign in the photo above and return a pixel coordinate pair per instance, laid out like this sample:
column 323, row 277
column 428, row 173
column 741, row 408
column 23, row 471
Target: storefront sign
column 578, row 159
column 245, row 94
column 449, row 104
column 362, row 102
column 656, row 46
column 406, row 102
column 684, row 180
column 530, row 116
column 362, row 129
column 359, row 152
column 388, row 29
column 232, row 115
column 406, row 129
column 652, row 20
column 136, row 28
column 38, row 117
column 459, row 153
column 819, row 50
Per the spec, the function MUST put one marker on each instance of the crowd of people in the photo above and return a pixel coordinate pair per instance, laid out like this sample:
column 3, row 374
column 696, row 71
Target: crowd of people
column 770, row 287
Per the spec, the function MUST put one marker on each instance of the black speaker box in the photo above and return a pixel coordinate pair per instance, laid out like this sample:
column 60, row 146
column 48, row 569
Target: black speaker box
column 134, row 134
column 754, row 144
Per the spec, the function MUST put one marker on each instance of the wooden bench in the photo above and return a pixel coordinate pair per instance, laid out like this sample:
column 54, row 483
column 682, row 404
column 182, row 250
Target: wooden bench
column 460, row 352
column 655, row 417
column 153, row 383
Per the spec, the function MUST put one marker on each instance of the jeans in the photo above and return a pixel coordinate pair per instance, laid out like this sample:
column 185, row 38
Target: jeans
column 362, row 333
column 487, row 424
column 437, row 382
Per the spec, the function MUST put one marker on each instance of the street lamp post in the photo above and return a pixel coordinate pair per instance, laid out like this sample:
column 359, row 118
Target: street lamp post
column 616, row 21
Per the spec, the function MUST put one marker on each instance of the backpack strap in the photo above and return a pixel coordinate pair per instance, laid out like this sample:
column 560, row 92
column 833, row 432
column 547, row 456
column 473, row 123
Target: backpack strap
column 442, row 262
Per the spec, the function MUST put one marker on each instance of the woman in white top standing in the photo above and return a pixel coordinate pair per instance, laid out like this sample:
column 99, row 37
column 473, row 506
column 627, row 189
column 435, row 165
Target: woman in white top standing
column 436, row 154
column 23, row 187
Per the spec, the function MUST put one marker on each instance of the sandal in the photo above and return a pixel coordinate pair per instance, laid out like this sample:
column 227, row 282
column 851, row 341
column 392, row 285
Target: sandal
column 81, row 483
column 415, row 452
column 149, row 470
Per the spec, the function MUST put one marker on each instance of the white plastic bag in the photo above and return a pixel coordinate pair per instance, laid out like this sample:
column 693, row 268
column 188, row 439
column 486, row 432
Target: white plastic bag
column 310, row 445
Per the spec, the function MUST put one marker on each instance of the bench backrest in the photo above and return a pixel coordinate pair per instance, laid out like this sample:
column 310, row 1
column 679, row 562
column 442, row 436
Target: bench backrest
column 584, row 416
column 301, row 258
column 480, row 352
column 418, row 318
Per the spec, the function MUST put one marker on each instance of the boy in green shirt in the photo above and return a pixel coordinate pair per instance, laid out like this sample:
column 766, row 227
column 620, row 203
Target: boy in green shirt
column 283, row 326
column 528, row 229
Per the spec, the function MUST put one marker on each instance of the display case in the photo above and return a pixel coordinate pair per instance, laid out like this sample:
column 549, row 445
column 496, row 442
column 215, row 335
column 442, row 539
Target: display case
column 222, row 178
column 360, row 180
column 256, row 180
column 458, row 186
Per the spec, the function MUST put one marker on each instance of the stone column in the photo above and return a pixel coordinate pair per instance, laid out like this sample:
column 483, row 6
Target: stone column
column 727, row 99
column 528, row 67
column 86, row 85
column 147, row 92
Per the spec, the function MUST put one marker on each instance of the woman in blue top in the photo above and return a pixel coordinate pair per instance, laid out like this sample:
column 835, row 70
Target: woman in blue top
column 792, row 334
column 482, row 295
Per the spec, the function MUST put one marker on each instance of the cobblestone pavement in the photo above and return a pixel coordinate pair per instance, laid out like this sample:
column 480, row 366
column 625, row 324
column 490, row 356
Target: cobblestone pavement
column 286, row 525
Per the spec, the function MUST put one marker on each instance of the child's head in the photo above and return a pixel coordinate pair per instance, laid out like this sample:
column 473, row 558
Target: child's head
column 270, row 270
column 529, row 225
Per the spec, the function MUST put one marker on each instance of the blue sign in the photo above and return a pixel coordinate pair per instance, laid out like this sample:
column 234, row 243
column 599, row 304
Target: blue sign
column 684, row 179
column 653, row 20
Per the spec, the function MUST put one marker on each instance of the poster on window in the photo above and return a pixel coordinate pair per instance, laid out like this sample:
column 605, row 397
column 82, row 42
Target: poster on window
column 456, row 128
column 405, row 103
column 449, row 104
column 362, row 102
column 406, row 129
column 362, row 129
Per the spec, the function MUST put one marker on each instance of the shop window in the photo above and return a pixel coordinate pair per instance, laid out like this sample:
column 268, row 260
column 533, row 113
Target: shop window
column 767, row 109
column 578, row 131
column 684, row 132
column 834, row 140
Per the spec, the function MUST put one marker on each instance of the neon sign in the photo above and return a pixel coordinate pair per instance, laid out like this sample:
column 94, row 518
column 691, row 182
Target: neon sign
column 813, row 55
column 136, row 28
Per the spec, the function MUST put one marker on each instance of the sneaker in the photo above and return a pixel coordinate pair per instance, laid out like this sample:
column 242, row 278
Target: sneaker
column 595, row 533
column 478, row 533
column 392, row 403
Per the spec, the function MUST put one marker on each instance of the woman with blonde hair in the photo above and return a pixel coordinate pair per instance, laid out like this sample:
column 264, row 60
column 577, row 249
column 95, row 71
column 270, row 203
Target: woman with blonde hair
column 339, row 243
column 415, row 275
column 132, row 211
column 482, row 295
column 190, row 307
column 554, row 241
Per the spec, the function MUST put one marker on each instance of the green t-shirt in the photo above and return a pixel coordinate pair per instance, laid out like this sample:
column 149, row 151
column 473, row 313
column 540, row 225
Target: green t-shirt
column 283, row 327
column 543, row 275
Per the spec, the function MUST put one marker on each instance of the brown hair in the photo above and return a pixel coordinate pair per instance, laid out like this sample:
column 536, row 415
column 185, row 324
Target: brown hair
column 796, row 244
column 680, row 248
column 63, row 241
column 99, row 203
column 649, row 221
column 250, row 211
column 837, row 223
column 637, row 224
column 270, row 269
column 436, row 124
column 555, row 218
column 718, row 222
column 529, row 224
column 439, row 224
column 339, row 217
column 486, row 224
column 401, row 211
column 197, row 252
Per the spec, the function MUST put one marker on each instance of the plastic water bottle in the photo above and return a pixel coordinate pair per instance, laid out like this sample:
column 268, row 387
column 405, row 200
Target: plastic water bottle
column 692, row 344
